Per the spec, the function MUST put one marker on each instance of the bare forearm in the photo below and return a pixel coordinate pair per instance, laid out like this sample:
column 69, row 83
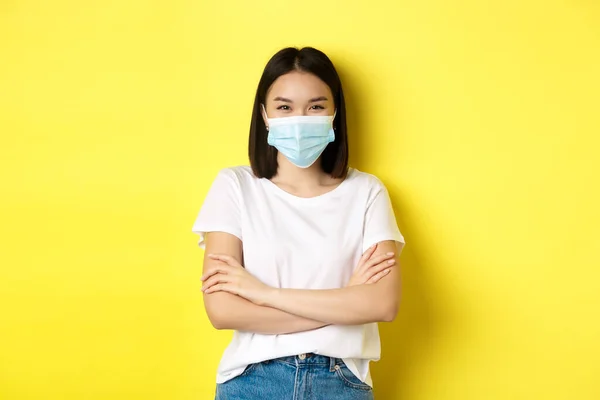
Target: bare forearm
column 234, row 312
column 352, row 305
column 228, row 311
column 347, row 306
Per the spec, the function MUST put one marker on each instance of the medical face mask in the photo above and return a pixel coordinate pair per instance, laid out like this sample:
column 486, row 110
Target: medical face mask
column 301, row 139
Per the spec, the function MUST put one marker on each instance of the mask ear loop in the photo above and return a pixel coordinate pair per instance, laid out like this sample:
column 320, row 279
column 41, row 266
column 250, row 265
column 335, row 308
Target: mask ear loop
column 265, row 116
column 333, row 118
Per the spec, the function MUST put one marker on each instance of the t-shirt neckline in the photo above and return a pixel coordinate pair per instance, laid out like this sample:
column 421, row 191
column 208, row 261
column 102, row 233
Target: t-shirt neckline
column 317, row 198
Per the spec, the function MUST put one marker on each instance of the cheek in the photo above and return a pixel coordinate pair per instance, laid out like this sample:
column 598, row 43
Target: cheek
column 279, row 113
column 330, row 109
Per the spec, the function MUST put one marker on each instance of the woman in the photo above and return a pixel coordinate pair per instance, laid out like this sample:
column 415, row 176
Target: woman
column 300, row 250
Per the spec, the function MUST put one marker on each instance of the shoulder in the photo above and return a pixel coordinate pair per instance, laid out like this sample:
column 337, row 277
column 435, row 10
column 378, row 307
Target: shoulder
column 242, row 173
column 369, row 186
column 239, row 176
column 364, row 180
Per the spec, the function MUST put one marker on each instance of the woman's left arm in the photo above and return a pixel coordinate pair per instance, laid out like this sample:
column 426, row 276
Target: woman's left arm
column 353, row 305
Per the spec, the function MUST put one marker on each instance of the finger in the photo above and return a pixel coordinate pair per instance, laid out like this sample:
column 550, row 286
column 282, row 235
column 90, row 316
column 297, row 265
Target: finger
column 381, row 258
column 214, row 280
column 215, row 288
column 221, row 287
column 211, row 272
column 378, row 276
column 225, row 258
column 378, row 268
column 366, row 255
column 218, row 269
column 220, row 257
column 375, row 269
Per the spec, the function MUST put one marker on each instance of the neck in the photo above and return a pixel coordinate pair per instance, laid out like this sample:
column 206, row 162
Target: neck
column 290, row 174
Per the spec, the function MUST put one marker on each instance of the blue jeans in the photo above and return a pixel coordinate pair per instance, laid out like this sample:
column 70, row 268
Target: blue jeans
column 304, row 377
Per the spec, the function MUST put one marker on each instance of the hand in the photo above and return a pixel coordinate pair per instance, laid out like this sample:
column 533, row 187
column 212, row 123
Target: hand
column 230, row 276
column 372, row 269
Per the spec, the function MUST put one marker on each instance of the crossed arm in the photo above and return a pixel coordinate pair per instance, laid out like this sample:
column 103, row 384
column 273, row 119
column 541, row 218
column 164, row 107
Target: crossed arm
column 235, row 300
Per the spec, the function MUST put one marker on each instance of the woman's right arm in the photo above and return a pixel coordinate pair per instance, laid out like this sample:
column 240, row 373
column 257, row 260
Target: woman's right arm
column 229, row 311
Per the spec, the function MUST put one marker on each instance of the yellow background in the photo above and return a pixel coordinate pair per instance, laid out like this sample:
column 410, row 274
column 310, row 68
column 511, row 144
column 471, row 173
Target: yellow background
column 480, row 117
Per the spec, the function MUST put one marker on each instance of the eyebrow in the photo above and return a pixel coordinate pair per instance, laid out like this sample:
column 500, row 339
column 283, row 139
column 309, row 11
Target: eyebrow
column 279, row 98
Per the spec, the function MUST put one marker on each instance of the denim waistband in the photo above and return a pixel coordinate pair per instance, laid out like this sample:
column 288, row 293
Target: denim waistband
column 309, row 359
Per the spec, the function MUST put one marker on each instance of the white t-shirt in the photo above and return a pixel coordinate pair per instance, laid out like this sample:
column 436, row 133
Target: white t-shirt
column 300, row 243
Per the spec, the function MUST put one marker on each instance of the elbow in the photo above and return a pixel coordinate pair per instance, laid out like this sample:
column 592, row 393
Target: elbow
column 389, row 312
column 218, row 322
column 218, row 308
column 218, row 319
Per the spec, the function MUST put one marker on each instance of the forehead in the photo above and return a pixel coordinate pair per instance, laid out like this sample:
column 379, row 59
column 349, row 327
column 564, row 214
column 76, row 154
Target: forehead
column 298, row 85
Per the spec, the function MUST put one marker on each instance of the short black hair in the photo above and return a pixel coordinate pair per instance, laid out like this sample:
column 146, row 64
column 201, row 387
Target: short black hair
column 263, row 157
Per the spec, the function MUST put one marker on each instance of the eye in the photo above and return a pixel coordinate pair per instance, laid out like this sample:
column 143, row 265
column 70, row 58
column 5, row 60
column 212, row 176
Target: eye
column 283, row 107
column 317, row 107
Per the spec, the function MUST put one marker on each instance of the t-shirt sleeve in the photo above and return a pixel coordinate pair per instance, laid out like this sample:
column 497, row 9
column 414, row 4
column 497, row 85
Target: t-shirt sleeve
column 220, row 211
column 380, row 220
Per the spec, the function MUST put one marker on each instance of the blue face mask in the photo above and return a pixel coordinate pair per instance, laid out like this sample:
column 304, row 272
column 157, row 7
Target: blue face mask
column 301, row 139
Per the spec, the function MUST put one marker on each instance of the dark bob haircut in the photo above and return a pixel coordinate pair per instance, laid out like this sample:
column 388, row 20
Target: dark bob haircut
column 263, row 157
